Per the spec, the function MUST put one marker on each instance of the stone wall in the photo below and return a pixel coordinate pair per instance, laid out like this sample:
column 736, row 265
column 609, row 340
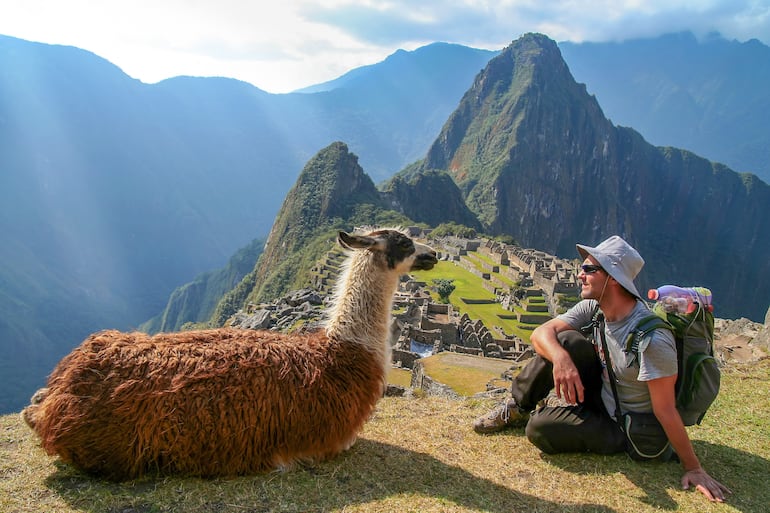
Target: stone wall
column 404, row 358
column 421, row 381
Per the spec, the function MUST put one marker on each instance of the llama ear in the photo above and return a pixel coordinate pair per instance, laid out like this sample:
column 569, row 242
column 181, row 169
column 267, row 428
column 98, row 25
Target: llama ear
column 354, row 241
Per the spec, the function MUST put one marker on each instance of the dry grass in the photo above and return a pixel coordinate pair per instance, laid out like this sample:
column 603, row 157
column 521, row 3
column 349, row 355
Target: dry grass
column 465, row 374
column 400, row 377
column 420, row 454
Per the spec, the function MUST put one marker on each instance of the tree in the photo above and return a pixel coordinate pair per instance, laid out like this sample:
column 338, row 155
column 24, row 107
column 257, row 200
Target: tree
column 459, row 230
column 444, row 288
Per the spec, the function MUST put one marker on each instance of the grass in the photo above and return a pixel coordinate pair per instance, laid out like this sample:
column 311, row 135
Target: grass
column 467, row 285
column 400, row 377
column 465, row 374
column 421, row 455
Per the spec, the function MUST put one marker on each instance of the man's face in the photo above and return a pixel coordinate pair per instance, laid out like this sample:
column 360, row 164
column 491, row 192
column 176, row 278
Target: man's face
column 592, row 279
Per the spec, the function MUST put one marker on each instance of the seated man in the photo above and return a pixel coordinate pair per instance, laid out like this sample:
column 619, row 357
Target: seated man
column 574, row 368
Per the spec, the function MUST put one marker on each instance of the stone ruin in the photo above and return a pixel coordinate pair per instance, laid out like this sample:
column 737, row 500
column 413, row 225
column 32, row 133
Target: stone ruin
column 418, row 322
column 303, row 307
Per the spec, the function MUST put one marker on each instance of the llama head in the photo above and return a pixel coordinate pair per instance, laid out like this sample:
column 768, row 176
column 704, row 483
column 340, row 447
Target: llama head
column 394, row 248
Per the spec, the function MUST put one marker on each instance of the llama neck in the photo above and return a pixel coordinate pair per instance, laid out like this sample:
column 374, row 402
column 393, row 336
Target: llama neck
column 362, row 303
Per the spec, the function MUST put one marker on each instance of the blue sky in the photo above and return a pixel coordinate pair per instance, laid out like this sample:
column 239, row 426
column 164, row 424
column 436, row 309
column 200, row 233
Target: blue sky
column 280, row 46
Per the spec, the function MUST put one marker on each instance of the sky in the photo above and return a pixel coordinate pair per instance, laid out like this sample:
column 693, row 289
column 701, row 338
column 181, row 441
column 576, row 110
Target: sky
column 281, row 46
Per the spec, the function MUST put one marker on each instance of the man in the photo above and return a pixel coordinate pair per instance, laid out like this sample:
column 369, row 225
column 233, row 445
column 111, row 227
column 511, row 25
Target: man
column 581, row 415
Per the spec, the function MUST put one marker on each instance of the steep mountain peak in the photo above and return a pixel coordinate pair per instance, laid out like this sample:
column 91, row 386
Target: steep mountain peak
column 525, row 102
column 535, row 158
column 326, row 188
column 328, row 194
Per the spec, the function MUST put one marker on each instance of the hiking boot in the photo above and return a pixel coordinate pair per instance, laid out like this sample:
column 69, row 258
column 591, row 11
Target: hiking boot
column 507, row 414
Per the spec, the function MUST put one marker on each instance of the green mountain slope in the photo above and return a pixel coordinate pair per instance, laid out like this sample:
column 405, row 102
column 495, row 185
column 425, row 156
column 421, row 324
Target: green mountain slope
column 195, row 302
column 537, row 160
column 332, row 193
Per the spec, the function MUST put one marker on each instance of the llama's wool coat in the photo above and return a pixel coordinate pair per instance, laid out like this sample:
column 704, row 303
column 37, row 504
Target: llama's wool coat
column 122, row 405
column 228, row 401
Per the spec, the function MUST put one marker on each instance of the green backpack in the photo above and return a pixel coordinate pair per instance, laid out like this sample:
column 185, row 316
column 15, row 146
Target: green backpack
column 697, row 384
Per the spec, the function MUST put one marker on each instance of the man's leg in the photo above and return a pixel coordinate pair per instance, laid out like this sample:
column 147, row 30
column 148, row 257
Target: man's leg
column 535, row 381
column 558, row 429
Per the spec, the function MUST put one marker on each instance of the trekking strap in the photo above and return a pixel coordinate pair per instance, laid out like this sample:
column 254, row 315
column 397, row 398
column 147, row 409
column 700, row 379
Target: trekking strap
column 608, row 363
column 643, row 328
column 597, row 320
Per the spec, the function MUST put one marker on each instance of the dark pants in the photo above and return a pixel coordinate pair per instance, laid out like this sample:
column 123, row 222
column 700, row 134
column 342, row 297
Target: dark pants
column 585, row 427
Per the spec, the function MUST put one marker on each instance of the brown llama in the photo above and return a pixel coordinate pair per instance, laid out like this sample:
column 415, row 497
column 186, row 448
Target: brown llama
column 226, row 402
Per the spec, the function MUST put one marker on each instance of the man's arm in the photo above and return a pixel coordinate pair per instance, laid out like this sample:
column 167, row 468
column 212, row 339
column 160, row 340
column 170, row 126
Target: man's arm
column 664, row 407
column 566, row 379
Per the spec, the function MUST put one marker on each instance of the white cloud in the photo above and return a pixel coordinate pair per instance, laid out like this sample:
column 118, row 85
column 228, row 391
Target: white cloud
column 283, row 45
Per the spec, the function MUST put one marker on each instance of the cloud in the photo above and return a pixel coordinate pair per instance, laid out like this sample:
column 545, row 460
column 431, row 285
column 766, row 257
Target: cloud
column 495, row 23
column 287, row 44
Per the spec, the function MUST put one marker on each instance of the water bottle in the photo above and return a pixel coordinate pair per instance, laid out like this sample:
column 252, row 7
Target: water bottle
column 682, row 299
column 674, row 304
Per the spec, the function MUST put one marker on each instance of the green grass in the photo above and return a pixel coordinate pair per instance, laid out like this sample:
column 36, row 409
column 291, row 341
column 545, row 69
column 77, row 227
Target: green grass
column 475, row 257
column 465, row 374
column 468, row 285
column 421, row 455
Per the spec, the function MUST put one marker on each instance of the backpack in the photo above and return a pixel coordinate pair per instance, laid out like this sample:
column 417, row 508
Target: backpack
column 698, row 379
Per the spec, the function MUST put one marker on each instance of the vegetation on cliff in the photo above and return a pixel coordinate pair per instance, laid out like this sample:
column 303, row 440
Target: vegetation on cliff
column 535, row 159
column 332, row 193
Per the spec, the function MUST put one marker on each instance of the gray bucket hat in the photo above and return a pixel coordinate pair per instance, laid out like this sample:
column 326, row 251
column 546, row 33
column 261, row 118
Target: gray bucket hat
column 618, row 258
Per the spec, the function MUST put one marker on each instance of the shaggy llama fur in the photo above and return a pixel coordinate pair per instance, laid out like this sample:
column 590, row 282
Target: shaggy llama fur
column 228, row 401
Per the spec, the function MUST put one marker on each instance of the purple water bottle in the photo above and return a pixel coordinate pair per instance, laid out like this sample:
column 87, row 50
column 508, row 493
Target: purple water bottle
column 682, row 299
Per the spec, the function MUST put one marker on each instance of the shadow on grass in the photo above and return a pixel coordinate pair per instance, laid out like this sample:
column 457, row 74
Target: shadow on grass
column 740, row 471
column 390, row 477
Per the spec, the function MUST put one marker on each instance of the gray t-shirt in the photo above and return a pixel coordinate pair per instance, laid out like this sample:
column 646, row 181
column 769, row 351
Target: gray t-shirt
column 657, row 356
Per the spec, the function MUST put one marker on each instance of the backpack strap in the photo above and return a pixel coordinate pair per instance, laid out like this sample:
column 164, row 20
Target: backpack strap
column 645, row 326
column 608, row 365
column 597, row 320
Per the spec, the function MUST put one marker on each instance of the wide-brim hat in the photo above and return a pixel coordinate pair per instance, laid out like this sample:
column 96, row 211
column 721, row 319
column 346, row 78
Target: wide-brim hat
column 618, row 258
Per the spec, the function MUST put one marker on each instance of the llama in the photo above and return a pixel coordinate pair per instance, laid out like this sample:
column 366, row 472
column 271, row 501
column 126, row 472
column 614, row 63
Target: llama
column 224, row 402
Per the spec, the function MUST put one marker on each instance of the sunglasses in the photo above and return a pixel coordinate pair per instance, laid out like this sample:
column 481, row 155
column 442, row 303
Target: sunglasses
column 590, row 269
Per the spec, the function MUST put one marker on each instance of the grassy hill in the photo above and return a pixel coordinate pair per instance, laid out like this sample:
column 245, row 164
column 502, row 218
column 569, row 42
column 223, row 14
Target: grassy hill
column 469, row 286
column 420, row 454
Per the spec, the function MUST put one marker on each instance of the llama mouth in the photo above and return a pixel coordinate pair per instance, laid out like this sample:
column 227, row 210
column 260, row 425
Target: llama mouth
column 424, row 263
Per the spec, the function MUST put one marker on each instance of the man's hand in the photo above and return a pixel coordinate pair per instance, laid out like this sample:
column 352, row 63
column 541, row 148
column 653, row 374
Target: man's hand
column 566, row 380
column 705, row 484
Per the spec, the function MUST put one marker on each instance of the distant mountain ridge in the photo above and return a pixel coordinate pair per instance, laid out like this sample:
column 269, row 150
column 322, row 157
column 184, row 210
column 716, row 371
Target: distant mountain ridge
column 525, row 144
column 708, row 96
column 114, row 192
column 442, row 58
column 536, row 159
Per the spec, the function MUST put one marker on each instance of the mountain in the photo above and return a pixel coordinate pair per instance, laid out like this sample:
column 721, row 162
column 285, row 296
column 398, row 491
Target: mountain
column 427, row 70
column 113, row 192
column 330, row 188
column 536, row 159
column 709, row 96
column 390, row 112
column 195, row 302
column 431, row 197
column 331, row 193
